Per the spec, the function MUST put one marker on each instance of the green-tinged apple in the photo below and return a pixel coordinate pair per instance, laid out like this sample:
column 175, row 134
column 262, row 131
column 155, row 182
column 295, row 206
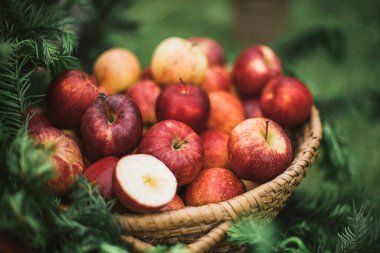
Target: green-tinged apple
column 68, row 96
column 259, row 150
column 211, row 48
column 216, row 78
column 177, row 145
column 143, row 183
column 65, row 157
column 175, row 204
column 287, row 101
column 213, row 185
column 176, row 58
column 111, row 126
column 254, row 68
column 117, row 69
column 144, row 93
column 214, row 144
column 37, row 118
column 186, row 103
column 226, row 111
column 101, row 173
column 252, row 108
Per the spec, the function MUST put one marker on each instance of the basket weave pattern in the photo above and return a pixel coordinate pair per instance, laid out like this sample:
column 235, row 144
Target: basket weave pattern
column 203, row 228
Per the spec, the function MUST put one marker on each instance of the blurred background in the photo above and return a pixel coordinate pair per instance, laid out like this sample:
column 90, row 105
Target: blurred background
column 331, row 45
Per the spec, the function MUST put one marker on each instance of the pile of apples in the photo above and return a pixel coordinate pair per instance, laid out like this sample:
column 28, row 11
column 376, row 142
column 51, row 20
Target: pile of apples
column 186, row 130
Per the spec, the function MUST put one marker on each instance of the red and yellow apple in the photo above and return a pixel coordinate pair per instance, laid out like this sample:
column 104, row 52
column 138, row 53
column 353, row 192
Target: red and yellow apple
column 211, row 48
column 37, row 118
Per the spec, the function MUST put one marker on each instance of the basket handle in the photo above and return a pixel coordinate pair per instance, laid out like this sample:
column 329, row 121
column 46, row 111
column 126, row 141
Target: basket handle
column 202, row 245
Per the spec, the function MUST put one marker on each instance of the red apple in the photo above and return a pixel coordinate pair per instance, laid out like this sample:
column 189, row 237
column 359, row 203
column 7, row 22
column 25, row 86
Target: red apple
column 177, row 145
column 117, row 69
column 175, row 59
column 68, row 96
column 144, row 93
column 226, row 111
column 37, row 118
column 211, row 48
column 287, row 101
column 252, row 108
column 253, row 70
column 111, row 126
column 217, row 78
column 147, row 73
column 186, row 103
column 143, row 183
column 66, row 158
column 214, row 144
column 212, row 186
column 259, row 150
column 175, row 204
column 101, row 173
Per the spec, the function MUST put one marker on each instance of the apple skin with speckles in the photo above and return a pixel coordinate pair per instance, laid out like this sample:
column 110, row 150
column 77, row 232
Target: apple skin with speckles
column 37, row 118
column 214, row 143
column 68, row 96
column 117, row 136
column 66, row 158
column 259, row 150
column 176, row 145
column 213, row 185
column 254, row 68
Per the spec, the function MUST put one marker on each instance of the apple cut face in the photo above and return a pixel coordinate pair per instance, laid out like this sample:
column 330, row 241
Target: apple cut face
column 143, row 183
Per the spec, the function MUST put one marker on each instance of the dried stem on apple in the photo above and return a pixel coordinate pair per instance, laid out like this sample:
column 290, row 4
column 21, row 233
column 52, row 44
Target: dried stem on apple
column 266, row 129
column 109, row 115
column 184, row 86
column 177, row 144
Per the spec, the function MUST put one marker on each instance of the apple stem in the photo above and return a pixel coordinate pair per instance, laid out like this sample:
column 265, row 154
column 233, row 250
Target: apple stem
column 266, row 128
column 184, row 86
column 103, row 97
column 177, row 144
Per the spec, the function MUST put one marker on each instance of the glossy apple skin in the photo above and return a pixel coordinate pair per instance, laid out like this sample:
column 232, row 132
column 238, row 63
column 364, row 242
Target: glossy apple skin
column 214, row 144
column 68, row 96
column 101, row 174
column 213, row 185
column 117, row 69
column 252, row 108
column 66, row 158
column 216, row 78
column 226, row 111
column 254, row 68
column 144, row 93
column 186, row 103
column 287, row 101
column 255, row 158
column 119, row 138
column 175, row 204
column 37, row 118
column 184, row 161
column 176, row 58
column 211, row 48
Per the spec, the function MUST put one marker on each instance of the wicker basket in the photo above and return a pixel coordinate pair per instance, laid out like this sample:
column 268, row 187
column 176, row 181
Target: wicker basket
column 203, row 228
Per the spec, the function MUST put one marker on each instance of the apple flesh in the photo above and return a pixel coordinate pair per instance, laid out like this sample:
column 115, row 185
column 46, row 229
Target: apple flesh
column 226, row 111
column 186, row 103
column 259, row 150
column 68, row 96
column 177, row 145
column 65, row 157
column 214, row 144
column 175, row 204
column 213, row 185
column 37, row 118
column 176, row 58
column 254, row 68
column 101, row 173
column 117, row 69
column 211, row 48
column 287, row 101
column 111, row 126
column 216, row 78
column 144, row 93
column 143, row 183
column 252, row 108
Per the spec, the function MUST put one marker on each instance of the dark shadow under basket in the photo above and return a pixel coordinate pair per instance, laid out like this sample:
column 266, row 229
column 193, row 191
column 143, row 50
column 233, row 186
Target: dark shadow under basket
column 203, row 228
